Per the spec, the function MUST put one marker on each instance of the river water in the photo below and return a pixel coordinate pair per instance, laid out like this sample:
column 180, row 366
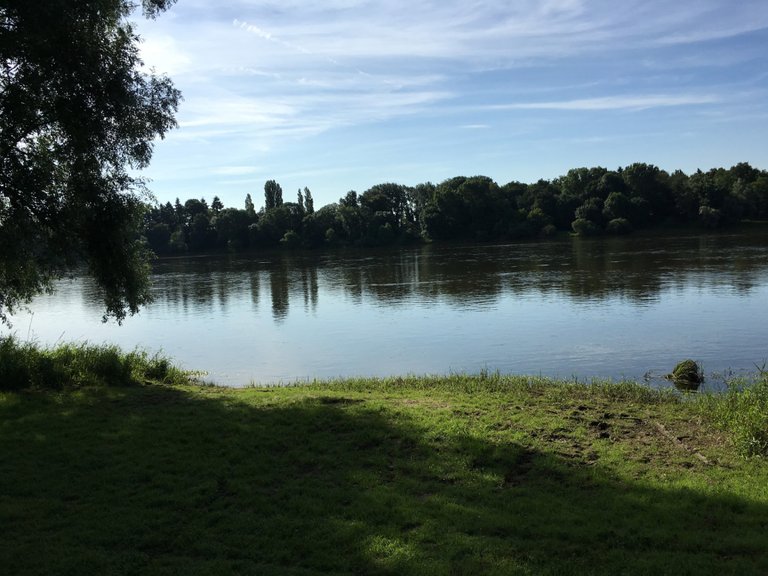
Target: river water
column 629, row 307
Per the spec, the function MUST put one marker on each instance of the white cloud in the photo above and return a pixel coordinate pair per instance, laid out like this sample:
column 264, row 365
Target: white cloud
column 230, row 110
column 162, row 52
column 369, row 36
column 613, row 103
column 476, row 32
column 265, row 77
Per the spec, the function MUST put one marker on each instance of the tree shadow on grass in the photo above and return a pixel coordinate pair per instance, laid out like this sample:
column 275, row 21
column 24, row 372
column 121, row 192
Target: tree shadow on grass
column 161, row 481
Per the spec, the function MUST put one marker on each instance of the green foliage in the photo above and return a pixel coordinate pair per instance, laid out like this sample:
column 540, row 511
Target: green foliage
column 273, row 195
column 584, row 227
column 710, row 217
column 275, row 223
column 200, row 232
column 249, row 207
column 309, row 201
column 159, row 238
column 592, row 210
column 743, row 412
column 619, row 226
column 27, row 366
column 550, row 230
column 349, row 200
column 649, row 183
column 538, row 219
column 231, row 228
column 291, row 239
column 78, row 117
column 585, row 200
column 617, row 205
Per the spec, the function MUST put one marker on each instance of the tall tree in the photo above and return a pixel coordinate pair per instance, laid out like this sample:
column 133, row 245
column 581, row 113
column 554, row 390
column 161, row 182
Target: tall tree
column 249, row 208
column 273, row 195
column 77, row 117
column 278, row 195
column 300, row 202
column 193, row 207
column 309, row 203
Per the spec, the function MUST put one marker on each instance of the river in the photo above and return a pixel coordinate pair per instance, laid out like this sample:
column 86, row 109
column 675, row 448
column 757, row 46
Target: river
column 628, row 307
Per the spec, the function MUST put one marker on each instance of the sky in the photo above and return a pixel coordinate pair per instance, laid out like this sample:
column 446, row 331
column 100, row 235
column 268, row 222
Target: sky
column 340, row 95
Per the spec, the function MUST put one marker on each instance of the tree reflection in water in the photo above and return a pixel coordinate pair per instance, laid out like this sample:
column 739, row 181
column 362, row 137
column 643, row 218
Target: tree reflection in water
column 594, row 307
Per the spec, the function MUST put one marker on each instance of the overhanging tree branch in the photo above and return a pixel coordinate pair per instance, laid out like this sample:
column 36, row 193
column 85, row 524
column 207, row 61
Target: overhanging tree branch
column 76, row 114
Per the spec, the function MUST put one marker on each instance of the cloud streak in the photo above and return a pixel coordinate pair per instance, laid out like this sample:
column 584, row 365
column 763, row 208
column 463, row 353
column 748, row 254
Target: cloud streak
column 613, row 103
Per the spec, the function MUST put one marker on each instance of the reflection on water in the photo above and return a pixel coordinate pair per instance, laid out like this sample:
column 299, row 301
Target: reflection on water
column 587, row 271
column 609, row 307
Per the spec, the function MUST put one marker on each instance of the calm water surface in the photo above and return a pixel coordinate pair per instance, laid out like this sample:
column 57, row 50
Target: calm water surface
column 620, row 308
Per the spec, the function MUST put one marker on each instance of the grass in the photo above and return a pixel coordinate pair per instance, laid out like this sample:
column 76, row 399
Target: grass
column 27, row 366
column 437, row 475
column 743, row 412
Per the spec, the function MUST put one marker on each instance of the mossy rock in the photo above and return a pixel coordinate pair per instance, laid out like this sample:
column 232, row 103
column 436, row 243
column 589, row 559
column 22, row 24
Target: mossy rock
column 686, row 375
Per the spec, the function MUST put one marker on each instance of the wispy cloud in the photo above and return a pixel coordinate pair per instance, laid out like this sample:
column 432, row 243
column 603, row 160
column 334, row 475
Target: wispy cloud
column 476, row 32
column 267, row 77
column 612, row 103
column 370, row 36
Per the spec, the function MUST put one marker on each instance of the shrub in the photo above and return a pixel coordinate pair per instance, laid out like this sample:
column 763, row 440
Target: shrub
column 709, row 217
column 291, row 239
column 548, row 230
column 619, row 226
column 584, row 227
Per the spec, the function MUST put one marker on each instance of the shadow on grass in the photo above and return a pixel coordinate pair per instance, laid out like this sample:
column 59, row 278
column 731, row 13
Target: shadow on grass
column 159, row 481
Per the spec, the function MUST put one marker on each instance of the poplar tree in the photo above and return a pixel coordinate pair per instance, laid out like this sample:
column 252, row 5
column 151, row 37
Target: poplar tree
column 308, row 202
column 249, row 207
column 273, row 195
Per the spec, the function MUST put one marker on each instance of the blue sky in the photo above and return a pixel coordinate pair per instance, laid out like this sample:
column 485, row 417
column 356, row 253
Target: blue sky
column 344, row 94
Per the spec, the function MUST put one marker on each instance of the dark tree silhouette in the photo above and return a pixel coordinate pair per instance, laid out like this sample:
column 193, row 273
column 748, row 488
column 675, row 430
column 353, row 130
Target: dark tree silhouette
column 76, row 116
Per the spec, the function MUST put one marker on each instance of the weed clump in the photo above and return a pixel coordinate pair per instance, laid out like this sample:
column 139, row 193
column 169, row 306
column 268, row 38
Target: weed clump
column 687, row 375
column 28, row 366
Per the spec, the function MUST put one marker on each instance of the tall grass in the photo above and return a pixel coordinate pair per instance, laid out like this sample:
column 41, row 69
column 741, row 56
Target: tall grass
column 29, row 366
column 742, row 411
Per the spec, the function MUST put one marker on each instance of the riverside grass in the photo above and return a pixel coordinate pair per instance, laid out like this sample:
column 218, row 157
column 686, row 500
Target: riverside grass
column 460, row 474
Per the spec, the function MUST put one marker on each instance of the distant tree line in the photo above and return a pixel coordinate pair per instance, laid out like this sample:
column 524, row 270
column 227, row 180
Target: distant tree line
column 586, row 201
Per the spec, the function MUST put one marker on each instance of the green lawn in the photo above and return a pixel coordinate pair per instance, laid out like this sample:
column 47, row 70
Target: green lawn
column 459, row 475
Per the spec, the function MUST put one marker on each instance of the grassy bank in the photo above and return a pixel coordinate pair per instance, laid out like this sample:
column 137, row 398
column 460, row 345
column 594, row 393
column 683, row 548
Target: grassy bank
column 454, row 475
